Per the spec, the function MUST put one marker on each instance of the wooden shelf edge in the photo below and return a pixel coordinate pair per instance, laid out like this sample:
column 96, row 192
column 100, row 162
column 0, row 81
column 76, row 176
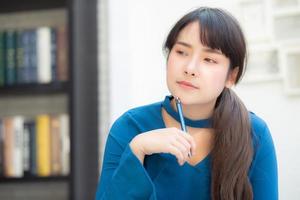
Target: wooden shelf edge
column 4, row 180
column 8, row 6
column 35, row 89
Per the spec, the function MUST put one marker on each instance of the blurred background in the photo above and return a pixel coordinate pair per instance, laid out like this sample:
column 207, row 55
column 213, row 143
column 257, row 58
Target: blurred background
column 69, row 69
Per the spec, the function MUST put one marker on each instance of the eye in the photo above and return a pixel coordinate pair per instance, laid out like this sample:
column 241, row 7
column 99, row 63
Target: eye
column 209, row 60
column 183, row 53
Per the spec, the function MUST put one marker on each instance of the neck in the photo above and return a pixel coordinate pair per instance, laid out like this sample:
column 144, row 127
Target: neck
column 196, row 112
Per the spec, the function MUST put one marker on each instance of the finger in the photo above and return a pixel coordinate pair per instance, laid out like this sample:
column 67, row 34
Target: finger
column 185, row 150
column 191, row 140
column 184, row 142
column 177, row 153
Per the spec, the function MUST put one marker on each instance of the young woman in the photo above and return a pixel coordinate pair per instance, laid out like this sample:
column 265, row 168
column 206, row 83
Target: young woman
column 228, row 152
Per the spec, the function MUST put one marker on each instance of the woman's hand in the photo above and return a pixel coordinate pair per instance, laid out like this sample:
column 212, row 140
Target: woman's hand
column 166, row 140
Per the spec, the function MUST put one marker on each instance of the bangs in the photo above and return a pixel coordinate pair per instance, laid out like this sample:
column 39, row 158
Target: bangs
column 214, row 32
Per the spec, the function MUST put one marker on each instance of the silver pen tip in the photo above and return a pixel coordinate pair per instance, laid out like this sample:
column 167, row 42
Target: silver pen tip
column 177, row 99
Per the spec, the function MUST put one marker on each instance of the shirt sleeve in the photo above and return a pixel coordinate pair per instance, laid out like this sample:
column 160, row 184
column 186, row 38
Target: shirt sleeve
column 122, row 175
column 264, row 175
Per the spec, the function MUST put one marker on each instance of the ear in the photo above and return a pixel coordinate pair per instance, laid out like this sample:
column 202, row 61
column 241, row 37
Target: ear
column 232, row 77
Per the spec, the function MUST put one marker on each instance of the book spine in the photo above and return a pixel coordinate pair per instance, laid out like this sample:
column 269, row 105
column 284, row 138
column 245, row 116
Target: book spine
column 18, row 146
column 32, row 55
column 8, row 147
column 62, row 54
column 26, row 56
column 33, row 147
column 43, row 145
column 1, row 148
column 53, row 54
column 56, row 167
column 2, row 59
column 20, row 67
column 44, row 54
column 26, row 149
column 10, row 57
column 65, row 140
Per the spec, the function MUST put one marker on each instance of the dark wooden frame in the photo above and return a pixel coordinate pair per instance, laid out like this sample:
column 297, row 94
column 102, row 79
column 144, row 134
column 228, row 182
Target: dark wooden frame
column 82, row 90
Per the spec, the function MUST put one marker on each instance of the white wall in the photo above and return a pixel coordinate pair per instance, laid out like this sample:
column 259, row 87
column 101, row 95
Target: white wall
column 282, row 113
column 137, row 30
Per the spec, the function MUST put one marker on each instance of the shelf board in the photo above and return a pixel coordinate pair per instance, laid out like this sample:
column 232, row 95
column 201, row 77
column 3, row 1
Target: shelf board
column 34, row 179
column 21, row 5
column 35, row 89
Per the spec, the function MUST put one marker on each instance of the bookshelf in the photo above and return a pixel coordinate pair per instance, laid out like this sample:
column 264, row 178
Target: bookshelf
column 76, row 96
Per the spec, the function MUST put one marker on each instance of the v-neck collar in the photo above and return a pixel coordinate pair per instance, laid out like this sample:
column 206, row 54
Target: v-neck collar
column 201, row 123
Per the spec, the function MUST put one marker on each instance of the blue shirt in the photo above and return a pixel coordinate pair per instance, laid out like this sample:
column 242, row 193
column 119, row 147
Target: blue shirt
column 161, row 177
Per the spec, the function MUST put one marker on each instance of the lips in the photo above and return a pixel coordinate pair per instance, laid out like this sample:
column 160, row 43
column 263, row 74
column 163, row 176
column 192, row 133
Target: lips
column 188, row 84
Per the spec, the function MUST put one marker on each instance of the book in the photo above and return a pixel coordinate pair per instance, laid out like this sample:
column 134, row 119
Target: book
column 31, row 54
column 65, row 139
column 2, row 59
column 62, row 53
column 56, row 146
column 8, row 146
column 44, row 54
column 32, row 147
column 20, row 62
column 43, row 145
column 1, row 148
column 10, row 50
column 18, row 122
column 53, row 54
column 26, row 149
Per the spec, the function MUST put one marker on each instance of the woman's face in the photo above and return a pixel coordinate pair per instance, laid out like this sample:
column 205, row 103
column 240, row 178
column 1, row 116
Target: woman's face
column 190, row 62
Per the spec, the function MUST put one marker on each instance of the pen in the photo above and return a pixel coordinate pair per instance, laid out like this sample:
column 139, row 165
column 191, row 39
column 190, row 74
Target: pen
column 182, row 123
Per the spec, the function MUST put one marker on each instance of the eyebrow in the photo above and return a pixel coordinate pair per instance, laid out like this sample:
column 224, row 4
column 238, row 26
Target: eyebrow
column 206, row 49
column 184, row 44
column 210, row 50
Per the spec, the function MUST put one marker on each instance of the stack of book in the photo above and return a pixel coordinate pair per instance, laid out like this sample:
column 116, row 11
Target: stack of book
column 37, row 146
column 36, row 55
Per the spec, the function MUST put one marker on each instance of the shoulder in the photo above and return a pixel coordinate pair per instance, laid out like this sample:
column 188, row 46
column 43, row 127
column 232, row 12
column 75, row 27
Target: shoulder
column 264, row 163
column 139, row 114
column 258, row 125
column 144, row 112
column 134, row 121
column 262, row 138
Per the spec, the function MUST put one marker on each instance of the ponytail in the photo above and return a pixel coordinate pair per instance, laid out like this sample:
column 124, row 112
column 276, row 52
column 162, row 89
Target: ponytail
column 233, row 150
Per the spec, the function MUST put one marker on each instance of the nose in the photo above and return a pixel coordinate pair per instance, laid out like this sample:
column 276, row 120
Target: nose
column 191, row 68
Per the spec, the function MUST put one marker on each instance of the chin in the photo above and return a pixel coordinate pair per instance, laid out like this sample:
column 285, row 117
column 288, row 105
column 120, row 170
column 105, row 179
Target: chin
column 189, row 100
column 185, row 99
